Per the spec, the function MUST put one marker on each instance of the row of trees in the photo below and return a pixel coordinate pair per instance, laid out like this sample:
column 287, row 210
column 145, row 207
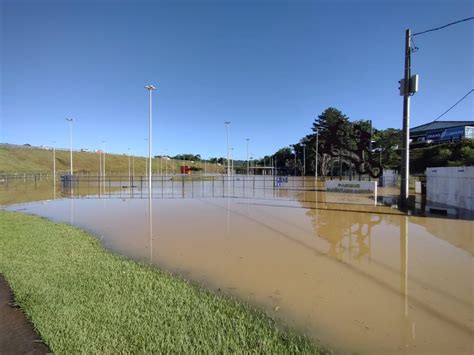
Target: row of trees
column 352, row 147
column 344, row 147
column 187, row 157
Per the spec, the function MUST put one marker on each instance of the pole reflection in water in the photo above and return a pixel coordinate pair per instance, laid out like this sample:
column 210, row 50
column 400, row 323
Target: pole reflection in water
column 150, row 214
column 404, row 263
column 150, row 226
column 408, row 326
column 54, row 187
column 228, row 214
column 71, row 199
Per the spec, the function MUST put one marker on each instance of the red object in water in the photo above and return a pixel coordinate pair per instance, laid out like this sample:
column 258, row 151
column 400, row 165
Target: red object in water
column 185, row 169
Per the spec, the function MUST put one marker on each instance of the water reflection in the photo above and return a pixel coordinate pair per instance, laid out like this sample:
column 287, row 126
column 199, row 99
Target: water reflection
column 358, row 281
column 347, row 237
column 150, row 226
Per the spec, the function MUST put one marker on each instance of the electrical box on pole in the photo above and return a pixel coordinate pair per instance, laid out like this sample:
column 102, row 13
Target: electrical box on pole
column 401, row 87
column 412, row 85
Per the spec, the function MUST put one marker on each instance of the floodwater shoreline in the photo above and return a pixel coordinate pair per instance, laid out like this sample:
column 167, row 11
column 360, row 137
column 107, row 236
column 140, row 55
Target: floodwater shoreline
column 89, row 268
column 17, row 333
column 360, row 278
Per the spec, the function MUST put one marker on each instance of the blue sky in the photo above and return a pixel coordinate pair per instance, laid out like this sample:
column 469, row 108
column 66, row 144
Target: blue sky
column 269, row 67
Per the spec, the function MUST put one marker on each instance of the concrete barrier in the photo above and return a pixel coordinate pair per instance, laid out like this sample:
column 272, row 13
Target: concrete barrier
column 451, row 186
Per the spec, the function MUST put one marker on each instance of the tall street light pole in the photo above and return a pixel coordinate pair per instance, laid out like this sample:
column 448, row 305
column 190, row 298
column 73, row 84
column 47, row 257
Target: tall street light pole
column 295, row 159
column 304, row 159
column 103, row 158
column 248, row 166
column 161, row 164
column 54, row 162
column 133, row 165
column 316, row 162
column 100, row 164
column 150, row 89
column 232, row 160
column 70, row 142
column 227, row 123
column 129, row 165
column 146, row 162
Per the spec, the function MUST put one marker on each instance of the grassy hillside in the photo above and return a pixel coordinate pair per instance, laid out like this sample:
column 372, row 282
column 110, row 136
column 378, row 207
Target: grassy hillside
column 14, row 159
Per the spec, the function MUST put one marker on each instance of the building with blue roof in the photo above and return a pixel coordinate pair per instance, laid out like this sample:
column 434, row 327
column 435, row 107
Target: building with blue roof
column 442, row 131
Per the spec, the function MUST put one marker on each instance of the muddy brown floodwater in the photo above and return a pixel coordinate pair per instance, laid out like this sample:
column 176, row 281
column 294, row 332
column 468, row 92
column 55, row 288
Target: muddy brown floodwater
column 371, row 282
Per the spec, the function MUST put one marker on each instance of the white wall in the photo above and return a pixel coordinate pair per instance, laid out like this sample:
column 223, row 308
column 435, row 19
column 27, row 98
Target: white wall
column 389, row 178
column 453, row 186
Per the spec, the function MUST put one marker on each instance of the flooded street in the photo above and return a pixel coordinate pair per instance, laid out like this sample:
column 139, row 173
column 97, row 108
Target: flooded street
column 370, row 282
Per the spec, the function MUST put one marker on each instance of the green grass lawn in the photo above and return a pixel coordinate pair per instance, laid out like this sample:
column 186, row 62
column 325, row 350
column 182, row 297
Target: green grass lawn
column 83, row 299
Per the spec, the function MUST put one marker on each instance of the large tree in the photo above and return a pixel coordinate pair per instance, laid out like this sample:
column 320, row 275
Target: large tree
column 332, row 127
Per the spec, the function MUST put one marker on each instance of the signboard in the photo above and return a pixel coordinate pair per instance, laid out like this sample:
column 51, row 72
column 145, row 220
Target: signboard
column 351, row 186
column 280, row 180
column 446, row 134
column 469, row 132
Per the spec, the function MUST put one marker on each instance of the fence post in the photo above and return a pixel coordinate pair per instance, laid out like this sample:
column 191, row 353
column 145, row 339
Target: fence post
column 182, row 186
column 254, row 186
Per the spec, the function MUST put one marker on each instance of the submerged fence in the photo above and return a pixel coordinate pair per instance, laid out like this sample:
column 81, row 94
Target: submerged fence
column 171, row 182
column 185, row 186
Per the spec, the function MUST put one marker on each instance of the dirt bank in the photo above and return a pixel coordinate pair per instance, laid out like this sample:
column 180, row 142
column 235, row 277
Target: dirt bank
column 17, row 335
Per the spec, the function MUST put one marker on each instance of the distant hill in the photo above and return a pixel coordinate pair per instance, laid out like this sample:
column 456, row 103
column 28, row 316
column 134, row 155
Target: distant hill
column 27, row 159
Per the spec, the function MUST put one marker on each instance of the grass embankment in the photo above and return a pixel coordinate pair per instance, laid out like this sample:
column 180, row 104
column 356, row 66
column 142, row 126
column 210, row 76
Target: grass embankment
column 14, row 159
column 83, row 299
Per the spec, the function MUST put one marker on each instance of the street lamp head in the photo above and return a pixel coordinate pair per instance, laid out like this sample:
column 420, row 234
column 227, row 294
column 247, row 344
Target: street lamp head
column 247, row 139
column 227, row 122
column 150, row 87
column 69, row 119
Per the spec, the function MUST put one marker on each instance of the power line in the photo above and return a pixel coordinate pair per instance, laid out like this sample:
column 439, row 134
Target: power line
column 449, row 109
column 439, row 28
